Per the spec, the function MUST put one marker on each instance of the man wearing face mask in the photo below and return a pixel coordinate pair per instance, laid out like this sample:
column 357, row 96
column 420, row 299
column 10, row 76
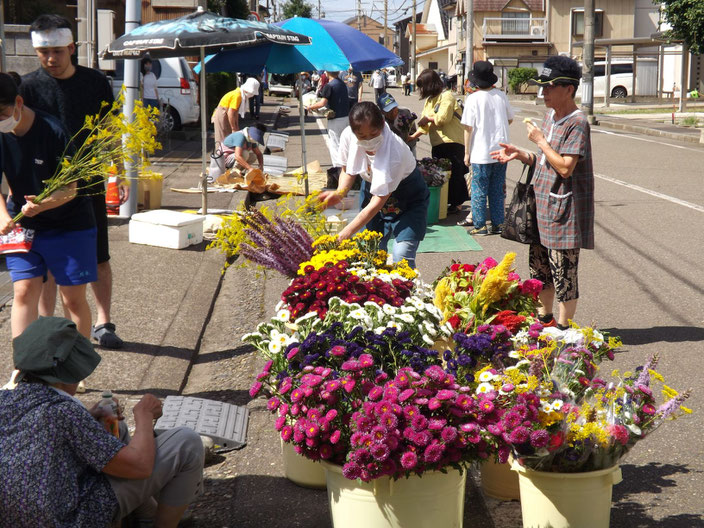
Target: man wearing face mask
column 395, row 196
column 232, row 106
column 70, row 93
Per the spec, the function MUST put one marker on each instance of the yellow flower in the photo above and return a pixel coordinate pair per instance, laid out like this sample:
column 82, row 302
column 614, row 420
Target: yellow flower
column 495, row 284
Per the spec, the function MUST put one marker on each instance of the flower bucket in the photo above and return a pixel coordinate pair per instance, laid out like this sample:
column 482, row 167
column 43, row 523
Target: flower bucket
column 300, row 470
column 499, row 482
column 434, row 205
column 566, row 500
column 433, row 500
column 444, row 194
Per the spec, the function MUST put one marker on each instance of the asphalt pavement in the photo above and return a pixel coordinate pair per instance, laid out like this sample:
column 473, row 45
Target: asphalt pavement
column 182, row 320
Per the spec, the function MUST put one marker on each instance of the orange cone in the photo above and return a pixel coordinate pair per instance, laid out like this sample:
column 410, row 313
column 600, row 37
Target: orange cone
column 112, row 196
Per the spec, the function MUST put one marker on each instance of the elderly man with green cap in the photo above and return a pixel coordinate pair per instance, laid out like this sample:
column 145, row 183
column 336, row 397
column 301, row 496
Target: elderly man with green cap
column 60, row 467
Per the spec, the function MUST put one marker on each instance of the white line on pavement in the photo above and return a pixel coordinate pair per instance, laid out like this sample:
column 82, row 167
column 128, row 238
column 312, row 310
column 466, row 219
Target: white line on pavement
column 319, row 122
column 647, row 140
column 652, row 193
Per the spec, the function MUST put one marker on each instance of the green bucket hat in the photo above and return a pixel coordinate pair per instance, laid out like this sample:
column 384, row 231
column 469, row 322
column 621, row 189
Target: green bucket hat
column 52, row 349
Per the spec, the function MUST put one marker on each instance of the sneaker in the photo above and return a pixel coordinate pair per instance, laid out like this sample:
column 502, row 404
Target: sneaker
column 495, row 230
column 479, row 231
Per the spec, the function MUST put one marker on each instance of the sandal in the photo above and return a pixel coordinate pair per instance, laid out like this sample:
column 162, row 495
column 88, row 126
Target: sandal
column 467, row 222
column 105, row 335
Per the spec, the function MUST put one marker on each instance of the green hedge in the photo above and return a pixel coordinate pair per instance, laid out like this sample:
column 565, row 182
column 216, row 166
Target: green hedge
column 518, row 77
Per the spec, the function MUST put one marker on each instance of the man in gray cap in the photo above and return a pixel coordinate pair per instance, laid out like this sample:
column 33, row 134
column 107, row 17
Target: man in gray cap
column 60, row 467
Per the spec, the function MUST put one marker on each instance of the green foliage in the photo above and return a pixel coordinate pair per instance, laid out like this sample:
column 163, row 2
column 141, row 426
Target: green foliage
column 518, row 77
column 294, row 8
column 230, row 8
column 687, row 20
column 218, row 85
column 690, row 121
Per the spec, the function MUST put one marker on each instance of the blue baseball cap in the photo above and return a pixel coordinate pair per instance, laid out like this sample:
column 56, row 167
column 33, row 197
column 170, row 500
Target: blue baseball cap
column 387, row 102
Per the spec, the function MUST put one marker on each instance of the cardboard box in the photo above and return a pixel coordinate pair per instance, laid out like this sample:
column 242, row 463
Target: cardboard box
column 164, row 228
column 149, row 191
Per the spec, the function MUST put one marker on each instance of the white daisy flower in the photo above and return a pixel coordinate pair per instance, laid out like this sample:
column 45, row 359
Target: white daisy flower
column 483, row 388
column 406, row 318
column 248, row 336
column 274, row 347
column 429, row 307
column 557, row 405
column 388, row 309
column 274, row 334
column 379, row 329
column 522, row 363
column 358, row 314
column 513, row 354
column 546, row 407
column 428, row 340
column 279, row 305
column 392, row 324
column 417, row 303
column 407, row 308
column 430, row 328
column 543, row 392
column 374, row 305
column 309, row 315
column 283, row 315
column 486, row 376
column 634, row 429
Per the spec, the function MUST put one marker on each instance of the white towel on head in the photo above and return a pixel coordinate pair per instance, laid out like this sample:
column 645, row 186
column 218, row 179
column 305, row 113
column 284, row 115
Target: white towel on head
column 393, row 162
column 249, row 89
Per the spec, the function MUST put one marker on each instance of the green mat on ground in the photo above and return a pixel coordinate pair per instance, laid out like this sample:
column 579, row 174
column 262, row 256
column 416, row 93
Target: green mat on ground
column 446, row 239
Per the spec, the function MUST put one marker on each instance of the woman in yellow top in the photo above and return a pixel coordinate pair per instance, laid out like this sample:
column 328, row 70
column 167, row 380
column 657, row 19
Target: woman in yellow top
column 232, row 106
column 441, row 121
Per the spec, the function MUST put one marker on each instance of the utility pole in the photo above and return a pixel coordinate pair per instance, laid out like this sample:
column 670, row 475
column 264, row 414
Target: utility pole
column 413, row 50
column 588, row 62
column 3, row 44
column 319, row 11
column 469, row 37
column 359, row 15
column 386, row 21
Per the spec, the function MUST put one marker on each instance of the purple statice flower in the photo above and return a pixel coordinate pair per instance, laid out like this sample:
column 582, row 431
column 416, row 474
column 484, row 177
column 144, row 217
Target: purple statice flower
column 380, row 451
column 409, row 460
column 671, row 406
column 644, row 376
column 519, row 435
column 433, row 452
column 351, row 471
column 286, row 433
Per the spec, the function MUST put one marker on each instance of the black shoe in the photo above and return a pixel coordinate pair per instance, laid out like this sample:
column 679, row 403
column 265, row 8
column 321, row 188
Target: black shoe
column 453, row 209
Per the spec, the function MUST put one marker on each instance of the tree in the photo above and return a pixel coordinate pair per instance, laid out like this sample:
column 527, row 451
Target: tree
column 519, row 77
column 230, row 8
column 687, row 20
column 294, row 8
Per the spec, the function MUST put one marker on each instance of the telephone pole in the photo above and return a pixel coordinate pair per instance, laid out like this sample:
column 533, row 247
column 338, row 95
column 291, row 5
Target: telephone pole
column 588, row 62
column 469, row 37
column 413, row 51
column 359, row 15
column 386, row 21
column 319, row 11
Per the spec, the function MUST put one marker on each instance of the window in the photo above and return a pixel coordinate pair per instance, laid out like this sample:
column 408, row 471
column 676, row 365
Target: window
column 578, row 23
column 515, row 23
column 433, row 65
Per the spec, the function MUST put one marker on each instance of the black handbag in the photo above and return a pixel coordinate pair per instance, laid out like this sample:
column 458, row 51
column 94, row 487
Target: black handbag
column 521, row 221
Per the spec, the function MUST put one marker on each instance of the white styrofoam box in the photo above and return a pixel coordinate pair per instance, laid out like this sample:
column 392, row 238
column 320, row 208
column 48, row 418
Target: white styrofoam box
column 164, row 228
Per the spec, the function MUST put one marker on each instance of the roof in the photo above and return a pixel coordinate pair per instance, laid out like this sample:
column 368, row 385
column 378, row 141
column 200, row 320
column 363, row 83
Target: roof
column 422, row 29
column 499, row 5
column 352, row 21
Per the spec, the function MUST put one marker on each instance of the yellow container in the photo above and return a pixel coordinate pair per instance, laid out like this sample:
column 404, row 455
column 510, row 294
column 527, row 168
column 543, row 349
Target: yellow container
column 444, row 193
column 566, row 500
column 499, row 481
column 149, row 190
column 300, row 470
column 433, row 500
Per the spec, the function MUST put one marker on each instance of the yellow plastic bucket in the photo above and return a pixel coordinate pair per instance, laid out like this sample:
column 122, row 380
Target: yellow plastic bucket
column 566, row 500
column 433, row 500
column 300, row 470
column 498, row 481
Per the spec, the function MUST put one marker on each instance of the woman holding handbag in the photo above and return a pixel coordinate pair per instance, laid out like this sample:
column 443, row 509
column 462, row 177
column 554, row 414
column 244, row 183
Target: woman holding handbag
column 564, row 189
column 441, row 121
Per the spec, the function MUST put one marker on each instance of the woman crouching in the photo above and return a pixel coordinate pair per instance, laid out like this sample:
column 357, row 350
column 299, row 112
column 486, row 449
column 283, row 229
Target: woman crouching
column 395, row 196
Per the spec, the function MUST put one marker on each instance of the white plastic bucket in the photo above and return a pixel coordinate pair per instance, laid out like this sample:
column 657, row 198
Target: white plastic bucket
column 498, row 481
column 566, row 500
column 300, row 470
column 434, row 500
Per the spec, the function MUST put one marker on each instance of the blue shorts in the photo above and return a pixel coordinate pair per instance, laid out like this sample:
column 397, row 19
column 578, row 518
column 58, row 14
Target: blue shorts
column 70, row 256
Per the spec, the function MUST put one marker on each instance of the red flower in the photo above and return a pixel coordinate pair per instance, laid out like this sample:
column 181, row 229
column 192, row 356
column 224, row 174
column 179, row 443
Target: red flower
column 510, row 320
column 454, row 321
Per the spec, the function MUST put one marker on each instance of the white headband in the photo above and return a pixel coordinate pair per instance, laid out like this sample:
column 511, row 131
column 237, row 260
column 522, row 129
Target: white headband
column 52, row 38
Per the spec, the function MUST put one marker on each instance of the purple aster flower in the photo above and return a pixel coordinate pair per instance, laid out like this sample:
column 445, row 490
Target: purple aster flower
column 486, row 406
column 422, row 438
column 444, row 394
column 376, row 393
column 312, row 429
column 495, row 429
column 366, row 360
column 292, row 353
column 283, row 409
column 297, row 395
column 338, row 351
column 419, row 422
column 311, row 380
column 280, row 422
column 351, row 365
column 406, row 394
column 410, row 411
column 379, row 451
column 389, row 420
column 421, row 401
column 436, row 373
column 286, row 433
column 539, row 438
column 511, row 419
column 298, row 436
column 351, row 470
column 464, row 402
column 434, row 404
column 348, row 384
column 448, row 434
column 379, row 432
column 325, row 451
column 332, row 385
column 409, row 460
column 335, row 436
column 273, row 403
column 256, row 387
column 382, row 407
column 391, row 394
column 401, row 380
column 436, row 424
column 519, row 435
column 433, row 453
column 331, row 415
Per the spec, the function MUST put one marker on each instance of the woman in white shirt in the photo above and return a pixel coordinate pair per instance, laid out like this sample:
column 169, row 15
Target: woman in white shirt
column 395, row 196
column 150, row 93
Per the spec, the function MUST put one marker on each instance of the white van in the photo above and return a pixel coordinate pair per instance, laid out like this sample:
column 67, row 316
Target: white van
column 621, row 83
column 177, row 89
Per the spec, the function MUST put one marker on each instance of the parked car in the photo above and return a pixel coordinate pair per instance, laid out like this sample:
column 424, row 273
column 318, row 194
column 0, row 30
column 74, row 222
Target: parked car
column 177, row 88
column 621, row 82
column 282, row 84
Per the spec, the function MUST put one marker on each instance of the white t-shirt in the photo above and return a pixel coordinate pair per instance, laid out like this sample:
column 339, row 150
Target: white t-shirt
column 488, row 113
column 149, row 86
column 389, row 166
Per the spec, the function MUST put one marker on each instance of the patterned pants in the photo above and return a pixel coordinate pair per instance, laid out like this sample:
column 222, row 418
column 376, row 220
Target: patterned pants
column 557, row 268
column 488, row 180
